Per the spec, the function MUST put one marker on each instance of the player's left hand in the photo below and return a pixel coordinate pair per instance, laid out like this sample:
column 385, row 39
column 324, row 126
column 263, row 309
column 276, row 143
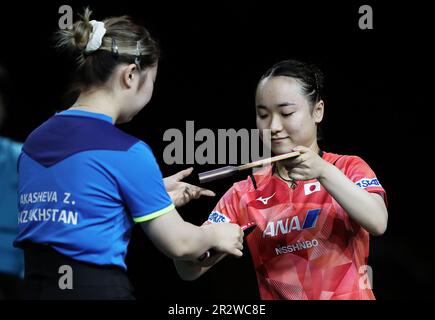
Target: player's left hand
column 308, row 165
column 181, row 192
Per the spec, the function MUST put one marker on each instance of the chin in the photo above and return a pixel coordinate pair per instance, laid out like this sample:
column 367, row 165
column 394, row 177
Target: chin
column 277, row 150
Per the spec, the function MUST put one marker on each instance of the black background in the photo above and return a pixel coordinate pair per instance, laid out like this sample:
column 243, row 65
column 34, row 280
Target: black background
column 379, row 106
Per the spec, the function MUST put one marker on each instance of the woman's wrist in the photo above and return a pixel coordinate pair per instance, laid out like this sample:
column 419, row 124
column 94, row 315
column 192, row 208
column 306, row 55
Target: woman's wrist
column 209, row 235
column 326, row 171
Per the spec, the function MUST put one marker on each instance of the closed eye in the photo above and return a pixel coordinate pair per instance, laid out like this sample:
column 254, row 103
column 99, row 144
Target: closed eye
column 285, row 115
column 262, row 116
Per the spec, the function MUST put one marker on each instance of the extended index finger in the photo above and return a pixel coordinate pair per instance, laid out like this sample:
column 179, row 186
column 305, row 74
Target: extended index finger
column 201, row 191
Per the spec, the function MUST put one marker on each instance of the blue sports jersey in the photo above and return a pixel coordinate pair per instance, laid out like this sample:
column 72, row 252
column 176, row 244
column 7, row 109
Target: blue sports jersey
column 82, row 185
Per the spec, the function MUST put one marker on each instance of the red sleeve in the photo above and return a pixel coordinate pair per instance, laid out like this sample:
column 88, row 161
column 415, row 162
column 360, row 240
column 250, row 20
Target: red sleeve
column 226, row 208
column 357, row 170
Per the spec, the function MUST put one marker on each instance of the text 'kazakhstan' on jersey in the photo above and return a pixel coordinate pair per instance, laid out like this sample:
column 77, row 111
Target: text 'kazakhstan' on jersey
column 305, row 246
column 82, row 185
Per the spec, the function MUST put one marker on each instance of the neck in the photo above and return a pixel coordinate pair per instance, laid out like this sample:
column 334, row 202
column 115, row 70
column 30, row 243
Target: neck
column 97, row 102
column 315, row 147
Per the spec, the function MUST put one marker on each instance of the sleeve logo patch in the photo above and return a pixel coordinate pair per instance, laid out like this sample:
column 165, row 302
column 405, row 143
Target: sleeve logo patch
column 217, row 217
column 366, row 182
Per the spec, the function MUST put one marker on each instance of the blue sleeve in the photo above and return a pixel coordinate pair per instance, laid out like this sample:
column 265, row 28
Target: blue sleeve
column 141, row 184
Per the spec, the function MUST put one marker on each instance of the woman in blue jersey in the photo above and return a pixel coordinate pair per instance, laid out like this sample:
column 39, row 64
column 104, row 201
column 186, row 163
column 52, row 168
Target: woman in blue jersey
column 83, row 183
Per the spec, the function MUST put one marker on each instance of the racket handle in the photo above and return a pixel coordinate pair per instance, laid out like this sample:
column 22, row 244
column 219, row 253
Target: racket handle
column 217, row 174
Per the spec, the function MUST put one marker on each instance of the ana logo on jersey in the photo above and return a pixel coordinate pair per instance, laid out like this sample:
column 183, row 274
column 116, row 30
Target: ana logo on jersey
column 310, row 188
column 284, row 226
column 217, row 217
column 265, row 200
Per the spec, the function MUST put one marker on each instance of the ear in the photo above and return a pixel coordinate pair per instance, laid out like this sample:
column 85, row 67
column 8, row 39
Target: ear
column 318, row 111
column 129, row 75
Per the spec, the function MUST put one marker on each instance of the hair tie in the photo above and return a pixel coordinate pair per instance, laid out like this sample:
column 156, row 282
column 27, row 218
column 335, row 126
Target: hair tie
column 96, row 37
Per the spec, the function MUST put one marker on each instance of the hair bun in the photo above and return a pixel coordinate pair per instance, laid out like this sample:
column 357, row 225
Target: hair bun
column 100, row 46
column 76, row 38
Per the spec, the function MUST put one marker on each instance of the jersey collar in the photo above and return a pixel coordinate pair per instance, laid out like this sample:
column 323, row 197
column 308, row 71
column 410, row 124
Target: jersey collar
column 82, row 113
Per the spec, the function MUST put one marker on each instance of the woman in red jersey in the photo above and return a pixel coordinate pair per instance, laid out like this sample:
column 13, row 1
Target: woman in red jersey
column 313, row 213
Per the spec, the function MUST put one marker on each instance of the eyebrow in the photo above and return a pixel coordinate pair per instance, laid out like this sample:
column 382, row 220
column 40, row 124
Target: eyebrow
column 286, row 104
column 279, row 105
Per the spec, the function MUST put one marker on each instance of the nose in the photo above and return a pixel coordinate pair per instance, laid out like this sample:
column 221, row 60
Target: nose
column 276, row 124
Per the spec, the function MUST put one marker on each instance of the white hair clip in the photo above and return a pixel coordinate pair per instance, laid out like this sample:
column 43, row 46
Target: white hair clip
column 96, row 37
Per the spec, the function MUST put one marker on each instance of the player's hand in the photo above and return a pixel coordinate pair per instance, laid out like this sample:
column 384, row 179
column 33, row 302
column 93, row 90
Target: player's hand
column 228, row 238
column 308, row 165
column 182, row 192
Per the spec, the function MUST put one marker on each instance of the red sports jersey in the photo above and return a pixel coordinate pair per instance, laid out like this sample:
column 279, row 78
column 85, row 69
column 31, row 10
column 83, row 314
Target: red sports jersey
column 305, row 246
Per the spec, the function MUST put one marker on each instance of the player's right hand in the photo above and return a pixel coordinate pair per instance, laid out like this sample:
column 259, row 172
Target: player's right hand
column 181, row 192
column 228, row 238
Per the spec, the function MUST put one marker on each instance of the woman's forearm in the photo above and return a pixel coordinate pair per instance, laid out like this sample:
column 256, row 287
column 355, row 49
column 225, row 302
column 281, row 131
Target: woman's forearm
column 187, row 270
column 192, row 270
column 367, row 209
column 179, row 239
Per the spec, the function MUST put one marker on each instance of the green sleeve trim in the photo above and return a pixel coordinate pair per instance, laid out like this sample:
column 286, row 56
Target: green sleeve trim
column 155, row 214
